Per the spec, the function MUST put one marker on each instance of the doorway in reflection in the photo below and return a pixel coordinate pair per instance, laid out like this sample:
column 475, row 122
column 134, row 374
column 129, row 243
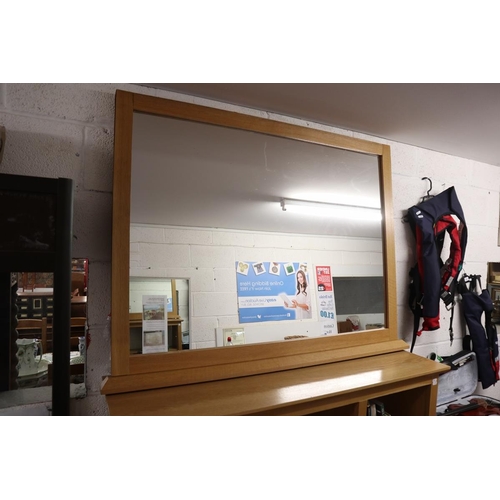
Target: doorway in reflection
column 168, row 328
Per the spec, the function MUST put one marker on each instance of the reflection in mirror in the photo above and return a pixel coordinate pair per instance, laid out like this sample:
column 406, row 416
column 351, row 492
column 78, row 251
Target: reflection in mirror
column 159, row 315
column 359, row 303
column 32, row 367
column 207, row 200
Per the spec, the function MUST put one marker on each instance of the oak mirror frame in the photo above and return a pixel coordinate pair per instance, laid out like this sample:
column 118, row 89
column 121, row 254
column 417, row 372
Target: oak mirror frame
column 150, row 371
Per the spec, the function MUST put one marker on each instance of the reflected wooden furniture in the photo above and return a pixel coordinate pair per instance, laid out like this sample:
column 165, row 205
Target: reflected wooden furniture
column 28, row 281
column 78, row 283
column 77, row 329
column 78, row 306
column 174, row 329
column 407, row 384
column 39, row 304
column 33, row 329
column 35, row 304
column 344, row 326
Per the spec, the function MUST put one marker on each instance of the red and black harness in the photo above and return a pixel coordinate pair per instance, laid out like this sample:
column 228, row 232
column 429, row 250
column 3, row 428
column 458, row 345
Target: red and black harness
column 431, row 280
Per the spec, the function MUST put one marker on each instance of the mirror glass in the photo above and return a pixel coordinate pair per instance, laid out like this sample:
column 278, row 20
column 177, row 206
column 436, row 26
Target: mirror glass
column 159, row 315
column 250, row 224
column 34, row 302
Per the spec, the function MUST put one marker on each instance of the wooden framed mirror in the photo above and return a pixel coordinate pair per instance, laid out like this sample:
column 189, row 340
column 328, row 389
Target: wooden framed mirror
column 134, row 371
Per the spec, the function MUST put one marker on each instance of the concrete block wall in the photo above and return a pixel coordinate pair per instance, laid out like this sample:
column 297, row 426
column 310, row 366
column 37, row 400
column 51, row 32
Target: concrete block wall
column 67, row 130
column 477, row 186
column 56, row 130
column 208, row 256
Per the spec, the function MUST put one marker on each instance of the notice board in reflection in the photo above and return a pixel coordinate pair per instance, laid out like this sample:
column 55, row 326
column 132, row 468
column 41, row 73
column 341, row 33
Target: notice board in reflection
column 363, row 295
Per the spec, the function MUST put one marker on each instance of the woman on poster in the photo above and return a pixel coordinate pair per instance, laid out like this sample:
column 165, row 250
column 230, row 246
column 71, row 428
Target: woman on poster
column 302, row 301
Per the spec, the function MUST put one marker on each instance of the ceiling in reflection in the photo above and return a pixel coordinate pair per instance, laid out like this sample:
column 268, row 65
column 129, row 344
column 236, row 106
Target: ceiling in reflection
column 198, row 175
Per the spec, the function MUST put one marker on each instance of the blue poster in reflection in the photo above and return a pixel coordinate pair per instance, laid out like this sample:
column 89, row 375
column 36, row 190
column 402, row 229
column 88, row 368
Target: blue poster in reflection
column 273, row 291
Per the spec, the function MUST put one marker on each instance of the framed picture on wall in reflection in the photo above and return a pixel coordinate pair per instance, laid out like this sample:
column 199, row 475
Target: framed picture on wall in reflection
column 495, row 292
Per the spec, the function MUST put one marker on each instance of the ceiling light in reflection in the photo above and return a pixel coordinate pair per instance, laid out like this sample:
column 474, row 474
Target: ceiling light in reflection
column 336, row 210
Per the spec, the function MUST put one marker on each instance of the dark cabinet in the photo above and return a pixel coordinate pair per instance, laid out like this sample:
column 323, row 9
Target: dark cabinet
column 36, row 230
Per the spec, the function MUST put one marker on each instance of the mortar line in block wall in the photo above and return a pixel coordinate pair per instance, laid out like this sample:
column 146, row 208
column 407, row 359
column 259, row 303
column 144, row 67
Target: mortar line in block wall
column 53, row 119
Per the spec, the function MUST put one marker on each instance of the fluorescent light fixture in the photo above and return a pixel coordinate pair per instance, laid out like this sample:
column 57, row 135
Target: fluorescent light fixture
column 337, row 210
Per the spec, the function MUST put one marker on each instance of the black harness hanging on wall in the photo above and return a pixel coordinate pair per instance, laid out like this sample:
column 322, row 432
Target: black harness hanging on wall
column 482, row 340
column 431, row 280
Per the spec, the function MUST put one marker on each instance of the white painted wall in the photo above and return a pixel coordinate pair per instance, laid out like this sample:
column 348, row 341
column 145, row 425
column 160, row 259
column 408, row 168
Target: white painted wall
column 67, row 130
column 477, row 186
column 208, row 256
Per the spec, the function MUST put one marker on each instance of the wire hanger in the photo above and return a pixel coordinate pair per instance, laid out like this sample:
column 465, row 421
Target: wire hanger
column 428, row 195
